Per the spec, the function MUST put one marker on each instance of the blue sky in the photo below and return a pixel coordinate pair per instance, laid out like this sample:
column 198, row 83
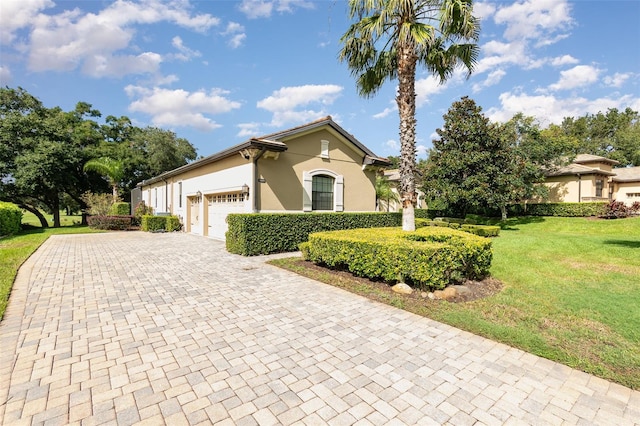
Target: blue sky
column 220, row 72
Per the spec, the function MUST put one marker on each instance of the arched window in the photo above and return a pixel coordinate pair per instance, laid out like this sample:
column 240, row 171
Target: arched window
column 322, row 192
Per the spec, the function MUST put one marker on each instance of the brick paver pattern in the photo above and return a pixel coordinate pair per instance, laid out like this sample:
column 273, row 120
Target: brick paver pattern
column 139, row 328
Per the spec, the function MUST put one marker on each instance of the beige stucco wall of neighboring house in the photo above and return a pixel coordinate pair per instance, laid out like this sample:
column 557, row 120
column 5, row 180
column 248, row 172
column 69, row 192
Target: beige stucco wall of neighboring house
column 282, row 186
column 597, row 165
column 574, row 189
column 627, row 192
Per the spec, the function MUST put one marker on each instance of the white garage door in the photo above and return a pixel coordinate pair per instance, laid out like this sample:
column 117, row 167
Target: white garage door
column 219, row 206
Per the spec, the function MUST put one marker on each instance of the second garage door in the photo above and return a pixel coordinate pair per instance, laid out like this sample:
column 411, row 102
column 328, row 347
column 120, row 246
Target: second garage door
column 219, row 206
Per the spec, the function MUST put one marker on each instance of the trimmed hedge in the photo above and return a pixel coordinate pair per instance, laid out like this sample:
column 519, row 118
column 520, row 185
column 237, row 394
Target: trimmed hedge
column 111, row 223
column 10, row 218
column 566, row 209
column 120, row 209
column 160, row 223
column 264, row 233
column 430, row 257
column 480, row 230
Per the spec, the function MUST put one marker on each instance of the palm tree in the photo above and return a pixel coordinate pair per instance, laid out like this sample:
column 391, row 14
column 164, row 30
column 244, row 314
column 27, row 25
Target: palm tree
column 384, row 191
column 389, row 40
column 112, row 169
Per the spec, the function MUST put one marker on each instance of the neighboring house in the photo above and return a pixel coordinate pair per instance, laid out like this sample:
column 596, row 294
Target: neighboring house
column 626, row 185
column 593, row 178
column 390, row 205
column 314, row 167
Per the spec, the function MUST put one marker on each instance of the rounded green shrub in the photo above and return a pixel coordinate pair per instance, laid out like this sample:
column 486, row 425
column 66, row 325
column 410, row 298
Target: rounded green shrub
column 10, row 218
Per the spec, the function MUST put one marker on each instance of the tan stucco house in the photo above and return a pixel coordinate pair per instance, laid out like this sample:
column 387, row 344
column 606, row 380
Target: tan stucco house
column 593, row 178
column 314, row 167
column 390, row 205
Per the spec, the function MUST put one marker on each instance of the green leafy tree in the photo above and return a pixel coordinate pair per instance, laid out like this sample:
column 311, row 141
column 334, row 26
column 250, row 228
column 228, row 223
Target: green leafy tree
column 390, row 39
column 462, row 163
column 613, row 134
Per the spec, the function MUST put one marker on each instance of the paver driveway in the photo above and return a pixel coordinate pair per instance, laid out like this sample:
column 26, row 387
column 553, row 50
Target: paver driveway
column 122, row 328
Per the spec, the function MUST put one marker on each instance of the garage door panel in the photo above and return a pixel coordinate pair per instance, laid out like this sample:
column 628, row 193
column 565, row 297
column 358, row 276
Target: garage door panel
column 219, row 206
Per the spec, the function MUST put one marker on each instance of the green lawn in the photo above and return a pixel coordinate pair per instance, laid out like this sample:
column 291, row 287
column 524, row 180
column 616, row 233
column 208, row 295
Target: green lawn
column 29, row 218
column 15, row 249
column 571, row 294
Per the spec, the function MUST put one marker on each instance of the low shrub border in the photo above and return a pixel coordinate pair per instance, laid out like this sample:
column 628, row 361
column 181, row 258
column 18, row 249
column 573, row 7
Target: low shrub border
column 10, row 218
column 152, row 223
column 430, row 257
column 110, row 223
column 480, row 230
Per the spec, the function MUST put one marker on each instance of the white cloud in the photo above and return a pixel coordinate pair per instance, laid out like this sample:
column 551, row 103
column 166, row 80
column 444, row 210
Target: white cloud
column 483, row 10
column 118, row 66
column 73, row 39
column 236, row 34
column 384, row 113
column 179, row 107
column 578, row 76
column 185, row 53
column 492, row 79
column 393, row 145
column 535, row 19
column 16, row 14
column 254, row 9
column 618, row 79
column 248, row 130
column 285, row 103
column 5, row 76
column 426, row 87
column 549, row 109
column 564, row 60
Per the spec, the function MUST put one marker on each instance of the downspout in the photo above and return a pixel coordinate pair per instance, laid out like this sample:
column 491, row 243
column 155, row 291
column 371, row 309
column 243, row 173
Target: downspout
column 255, row 179
column 166, row 195
column 579, row 188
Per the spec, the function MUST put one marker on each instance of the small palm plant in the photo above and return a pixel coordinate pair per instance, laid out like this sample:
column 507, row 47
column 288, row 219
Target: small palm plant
column 112, row 169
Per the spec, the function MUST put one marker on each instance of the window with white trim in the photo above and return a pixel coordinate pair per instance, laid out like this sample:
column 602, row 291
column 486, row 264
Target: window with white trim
column 323, row 190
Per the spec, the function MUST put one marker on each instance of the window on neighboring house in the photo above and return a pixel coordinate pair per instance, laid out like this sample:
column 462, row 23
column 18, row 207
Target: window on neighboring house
column 155, row 203
column 599, row 186
column 180, row 194
column 322, row 193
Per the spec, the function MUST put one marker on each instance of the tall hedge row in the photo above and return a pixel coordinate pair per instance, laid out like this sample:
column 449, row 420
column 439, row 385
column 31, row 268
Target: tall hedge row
column 10, row 218
column 265, row 233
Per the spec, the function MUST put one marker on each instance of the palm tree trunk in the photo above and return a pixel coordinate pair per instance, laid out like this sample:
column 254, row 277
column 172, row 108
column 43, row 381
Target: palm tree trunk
column 406, row 101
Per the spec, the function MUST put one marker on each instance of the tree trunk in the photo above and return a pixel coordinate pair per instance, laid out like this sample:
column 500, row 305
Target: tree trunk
column 56, row 212
column 503, row 210
column 37, row 213
column 115, row 193
column 406, row 101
